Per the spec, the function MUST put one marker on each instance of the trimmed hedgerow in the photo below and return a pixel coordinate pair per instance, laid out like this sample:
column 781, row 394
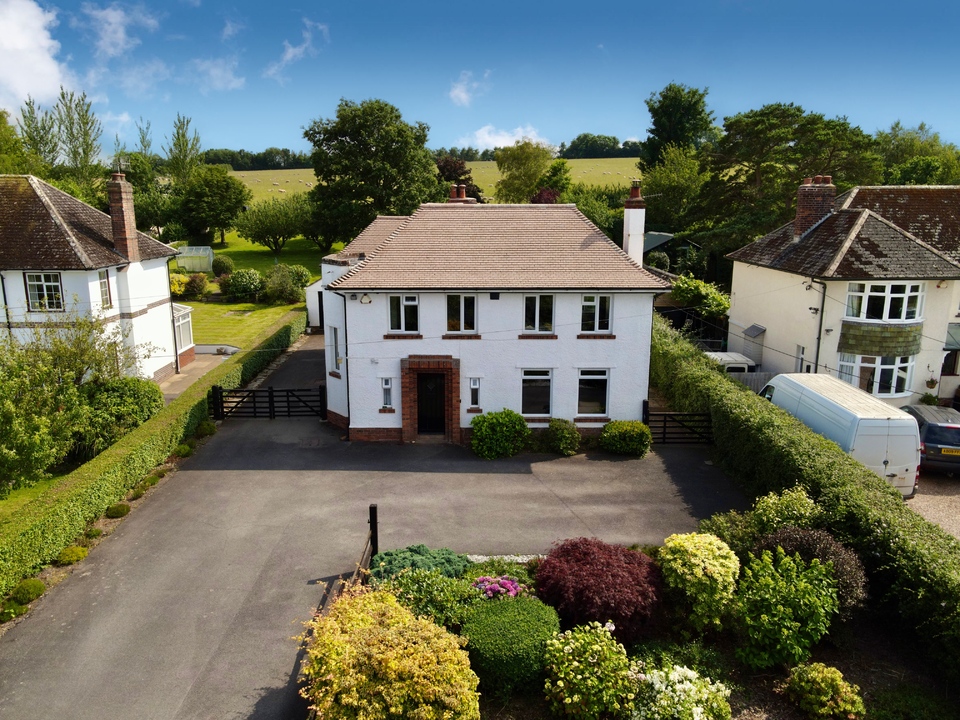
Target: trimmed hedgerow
column 586, row 579
column 371, row 658
column 430, row 593
column 809, row 544
column 506, row 642
column 626, row 437
column 913, row 565
column 499, row 434
column 37, row 532
column 388, row 563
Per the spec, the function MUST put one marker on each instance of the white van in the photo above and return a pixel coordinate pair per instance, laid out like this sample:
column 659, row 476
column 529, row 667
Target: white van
column 880, row 436
column 733, row 362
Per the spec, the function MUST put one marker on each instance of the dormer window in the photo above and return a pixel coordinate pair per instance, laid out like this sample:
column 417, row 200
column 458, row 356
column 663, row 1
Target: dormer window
column 891, row 302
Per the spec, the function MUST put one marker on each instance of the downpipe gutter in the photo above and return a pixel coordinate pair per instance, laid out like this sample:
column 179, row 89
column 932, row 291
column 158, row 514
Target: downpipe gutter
column 823, row 300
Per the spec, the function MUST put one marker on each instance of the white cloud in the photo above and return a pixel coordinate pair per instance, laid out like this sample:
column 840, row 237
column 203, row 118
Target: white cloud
column 217, row 74
column 140, row 80
column 230, row 28
column 489, row 137
column 112, row 25
column 293, row 53
column 463, row 91
column 28, row 55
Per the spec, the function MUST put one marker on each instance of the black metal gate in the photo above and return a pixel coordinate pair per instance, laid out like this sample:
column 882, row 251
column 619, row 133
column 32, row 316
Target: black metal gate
column 676, row 428
column 268, row 403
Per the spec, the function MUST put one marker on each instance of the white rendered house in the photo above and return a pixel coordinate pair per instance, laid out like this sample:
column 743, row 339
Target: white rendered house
column 60, row 256
column 862, row 286
column 462, row 308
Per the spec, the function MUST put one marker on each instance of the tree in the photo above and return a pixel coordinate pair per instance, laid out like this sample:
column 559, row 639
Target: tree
column 679, row 116
column 557, row 177
column 183, row 152
column 144, row 138
column 673, row 187
column 273, row 222
column 212, row 200
column 79, row 132
column 454, row 170
column 521, row 167
column 368, row 162
column 917, row 156
column 38, row 130
column 14, row 157
column 586, row 145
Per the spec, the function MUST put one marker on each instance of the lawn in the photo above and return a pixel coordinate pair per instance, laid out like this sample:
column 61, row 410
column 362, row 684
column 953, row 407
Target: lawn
column 237, row 323
column 245, row 254
column 605, row 171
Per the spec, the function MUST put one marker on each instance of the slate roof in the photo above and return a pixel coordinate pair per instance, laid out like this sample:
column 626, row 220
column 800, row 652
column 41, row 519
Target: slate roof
column 858, row 242
column 498, row 247
column 43, row 228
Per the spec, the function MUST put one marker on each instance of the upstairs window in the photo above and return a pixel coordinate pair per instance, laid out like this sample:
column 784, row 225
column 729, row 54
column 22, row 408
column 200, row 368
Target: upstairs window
column 404, row 313
column 461, row 313
column 44, row 291
column 538, row 313
column 885, row 301
column 595, row 314
column 104, row 279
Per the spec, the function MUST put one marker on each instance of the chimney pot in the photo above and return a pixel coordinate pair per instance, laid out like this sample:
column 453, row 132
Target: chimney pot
column 453, row 192
column 828, row 179
column 462, row 192
column 818, row 180
column 807, row 181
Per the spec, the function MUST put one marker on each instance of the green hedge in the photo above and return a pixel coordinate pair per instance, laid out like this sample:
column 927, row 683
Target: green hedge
column 914, row 566
column 35, row 534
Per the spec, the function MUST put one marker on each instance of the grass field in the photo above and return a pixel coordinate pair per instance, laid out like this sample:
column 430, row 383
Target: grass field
column 237, row 324
column 606, row 171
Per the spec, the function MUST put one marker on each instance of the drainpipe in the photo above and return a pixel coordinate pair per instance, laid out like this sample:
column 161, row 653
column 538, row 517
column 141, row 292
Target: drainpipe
column 823, row 299
column 346, row 365
column 6, row 308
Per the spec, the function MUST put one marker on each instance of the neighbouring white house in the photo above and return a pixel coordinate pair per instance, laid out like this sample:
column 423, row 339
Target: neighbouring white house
column 463, row 308
column 60, row 256
column 862, row 286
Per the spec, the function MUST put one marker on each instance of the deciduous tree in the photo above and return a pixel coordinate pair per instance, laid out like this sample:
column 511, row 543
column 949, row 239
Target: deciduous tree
column 672, row 187
column 79, row 132
column 368, row 162
column 212, row 200
column 273, row 222
column 38, row 130
column 183, row 152
column 521, row 166
column 679, row 116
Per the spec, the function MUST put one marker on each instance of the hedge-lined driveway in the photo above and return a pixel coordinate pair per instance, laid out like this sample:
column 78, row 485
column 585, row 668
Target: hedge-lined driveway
column 188, row 609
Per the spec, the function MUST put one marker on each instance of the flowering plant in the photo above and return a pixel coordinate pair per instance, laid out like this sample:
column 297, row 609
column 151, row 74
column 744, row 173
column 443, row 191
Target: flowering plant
column 679, row 693
column 495, row 587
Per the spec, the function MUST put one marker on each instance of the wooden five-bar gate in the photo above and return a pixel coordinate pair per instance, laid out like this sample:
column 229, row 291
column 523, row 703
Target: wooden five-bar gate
column 678, row 428
column 268, row 403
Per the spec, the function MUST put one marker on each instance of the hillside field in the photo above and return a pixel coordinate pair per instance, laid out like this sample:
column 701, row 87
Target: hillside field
column 607, row 171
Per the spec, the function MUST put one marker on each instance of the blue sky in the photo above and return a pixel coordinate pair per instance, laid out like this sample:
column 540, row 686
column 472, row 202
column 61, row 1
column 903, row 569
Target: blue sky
column 252, row 74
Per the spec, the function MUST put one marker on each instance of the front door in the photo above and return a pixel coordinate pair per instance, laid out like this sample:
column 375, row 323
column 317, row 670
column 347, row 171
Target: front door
column 430, row 406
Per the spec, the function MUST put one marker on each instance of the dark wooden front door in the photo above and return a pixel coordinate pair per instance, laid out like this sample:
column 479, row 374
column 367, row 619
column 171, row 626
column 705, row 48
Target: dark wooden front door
column 430, row 414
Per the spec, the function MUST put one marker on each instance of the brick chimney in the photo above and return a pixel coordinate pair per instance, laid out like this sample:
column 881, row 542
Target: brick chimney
column 815, row 198
column 124, row 221
column 458, row 195
column 634, row 218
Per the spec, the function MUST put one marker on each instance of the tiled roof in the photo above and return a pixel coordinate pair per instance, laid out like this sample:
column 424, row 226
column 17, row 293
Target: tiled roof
column 374, row 234
column 43, row 228
column 928, row 212
column 498, row 247
column 856, row 242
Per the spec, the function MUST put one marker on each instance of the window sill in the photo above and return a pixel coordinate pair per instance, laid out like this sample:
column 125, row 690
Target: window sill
column 387, row 410
column 537, row 419
column 536, row 336
column 596, row 336
column 403, row 336
column 592, row 419
column 474, row 411
column 334, row 374
column 455, row 336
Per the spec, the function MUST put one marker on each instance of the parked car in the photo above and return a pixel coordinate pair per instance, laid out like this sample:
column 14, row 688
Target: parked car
column 939, row 437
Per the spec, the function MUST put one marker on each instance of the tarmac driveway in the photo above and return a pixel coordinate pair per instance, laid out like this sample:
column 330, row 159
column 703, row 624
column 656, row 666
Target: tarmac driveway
column 188, row 610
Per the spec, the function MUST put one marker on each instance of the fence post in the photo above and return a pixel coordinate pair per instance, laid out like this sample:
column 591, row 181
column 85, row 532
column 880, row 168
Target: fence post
column 217, row 393
column 271, row 409
column 374, row 533
column 645, row 413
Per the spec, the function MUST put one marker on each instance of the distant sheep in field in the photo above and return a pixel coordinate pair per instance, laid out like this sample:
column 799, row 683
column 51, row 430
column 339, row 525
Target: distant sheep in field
column 281, row 190
column 276, row 183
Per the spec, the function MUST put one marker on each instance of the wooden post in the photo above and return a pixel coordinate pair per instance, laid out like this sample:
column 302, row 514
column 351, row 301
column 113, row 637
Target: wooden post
column 645, row 413
column 374, row 533
column 272, row 410
column 217, row 393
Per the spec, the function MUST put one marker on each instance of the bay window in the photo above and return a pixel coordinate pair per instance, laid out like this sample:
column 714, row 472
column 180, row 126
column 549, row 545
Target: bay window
column 877, row 375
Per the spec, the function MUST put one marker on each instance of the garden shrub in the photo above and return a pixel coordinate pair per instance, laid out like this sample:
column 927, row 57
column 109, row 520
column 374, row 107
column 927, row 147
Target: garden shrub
column 700, row 573
column 707, row 659
column 114, row 408
column 848, row 570
column 138, row 492
column 496, row 566
column 388, row 563
column 431, row 594
column 657, row 259
column 679, row 693
column 821, row 692
column 222, row 265
column 197, row 285
column 28, row 590
column 71, row 554
column 178, row 284
column 10, row 610
column 586, row 579
column 281, row 285
column 506, row 641
column 908, row 701
column 784, row 608
column 792, row 507
column 244, row 283
column 626, row 437
column 92, row 533
column 301, row 275
column 562, row 437
column 498, row 588
column 117, row 510
column 183, row 450
column 738, row 530
column 589, row 675
column 370, row 658
column 206, row 429
column 499, row 434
